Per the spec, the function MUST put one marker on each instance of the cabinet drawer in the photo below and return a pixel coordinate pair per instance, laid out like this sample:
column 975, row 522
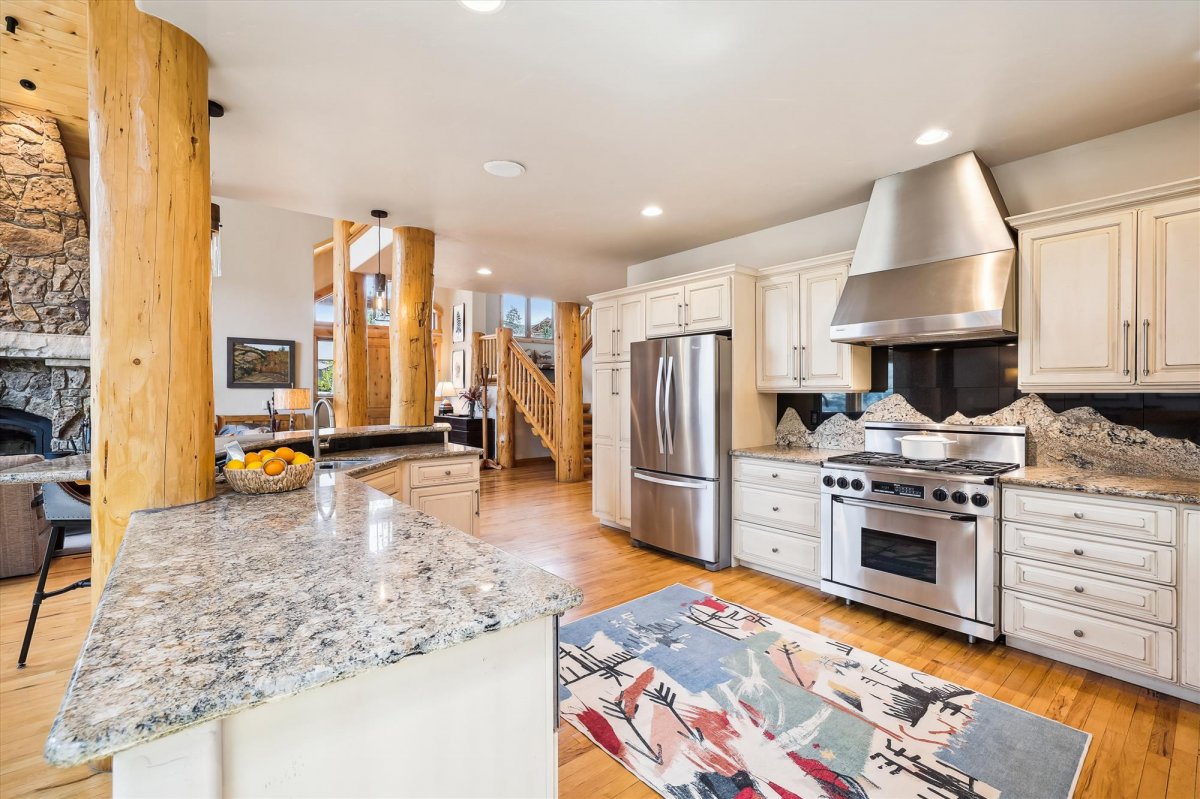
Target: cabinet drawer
column 795, row 554
column 1129, row 644
column 385, row 480
column 774, row 508
column 782, row 475
column 1126, row 518
column 446, row 470
column 1077, row 587
column 1092, row 552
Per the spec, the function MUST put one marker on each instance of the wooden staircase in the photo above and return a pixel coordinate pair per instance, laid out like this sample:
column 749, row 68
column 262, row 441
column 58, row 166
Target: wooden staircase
column 587, row 437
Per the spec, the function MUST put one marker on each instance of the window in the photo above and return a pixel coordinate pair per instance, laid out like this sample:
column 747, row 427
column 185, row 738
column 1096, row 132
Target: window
column 323, row 314
column 324, row 367
column 527, row 317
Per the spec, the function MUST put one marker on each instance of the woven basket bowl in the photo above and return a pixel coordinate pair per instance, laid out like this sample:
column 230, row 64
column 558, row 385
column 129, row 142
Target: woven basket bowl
column 254, row 481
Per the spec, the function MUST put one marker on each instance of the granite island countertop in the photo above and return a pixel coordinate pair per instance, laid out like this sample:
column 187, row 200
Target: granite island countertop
column 1094, row 481
column 217, row 607
column 774, row 452
column 72, row 468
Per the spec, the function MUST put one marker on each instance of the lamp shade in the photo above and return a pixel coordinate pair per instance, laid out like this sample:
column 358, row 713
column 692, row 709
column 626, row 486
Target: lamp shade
column 293, row 399
column 445, row 389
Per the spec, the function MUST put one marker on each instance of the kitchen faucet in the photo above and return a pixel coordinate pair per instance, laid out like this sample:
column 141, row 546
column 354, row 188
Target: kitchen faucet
column 316, row 430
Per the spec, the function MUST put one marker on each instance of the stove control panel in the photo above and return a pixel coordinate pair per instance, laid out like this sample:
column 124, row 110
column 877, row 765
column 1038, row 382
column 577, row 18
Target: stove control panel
column 947, row 493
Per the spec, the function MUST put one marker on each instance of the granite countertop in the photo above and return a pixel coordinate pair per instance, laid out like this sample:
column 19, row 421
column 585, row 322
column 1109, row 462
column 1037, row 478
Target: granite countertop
column 216, row 607
column 1091, row 481
column 72, row 468
column 774, row 452
column 382, row 457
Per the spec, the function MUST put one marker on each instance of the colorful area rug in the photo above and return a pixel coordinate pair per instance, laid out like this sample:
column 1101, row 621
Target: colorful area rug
column 704, row 698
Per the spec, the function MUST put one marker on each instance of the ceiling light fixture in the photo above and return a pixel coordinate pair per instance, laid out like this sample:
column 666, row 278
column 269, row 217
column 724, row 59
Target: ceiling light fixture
column 483, row 270
column 651, row 210
column 933, row 136
column 379, row 302
column 504, row 169
column 482, row 6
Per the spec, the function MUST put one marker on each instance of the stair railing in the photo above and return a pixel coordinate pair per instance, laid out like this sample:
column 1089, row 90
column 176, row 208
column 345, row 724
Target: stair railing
column 534, row 395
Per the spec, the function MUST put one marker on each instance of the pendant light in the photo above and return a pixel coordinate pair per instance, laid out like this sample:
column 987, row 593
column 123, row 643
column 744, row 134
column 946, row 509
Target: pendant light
column 380, row 301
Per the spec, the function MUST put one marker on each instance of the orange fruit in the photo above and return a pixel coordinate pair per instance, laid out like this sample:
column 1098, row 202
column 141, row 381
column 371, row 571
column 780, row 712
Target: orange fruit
column 254, row 465
column 253, row 457
column 299, row 459
column 274, row 467
column 265, row 453
column 234, row 465
column 287, row 453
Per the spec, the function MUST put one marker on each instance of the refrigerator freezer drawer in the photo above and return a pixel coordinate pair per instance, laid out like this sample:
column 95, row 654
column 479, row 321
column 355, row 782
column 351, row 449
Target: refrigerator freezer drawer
column 678, row 514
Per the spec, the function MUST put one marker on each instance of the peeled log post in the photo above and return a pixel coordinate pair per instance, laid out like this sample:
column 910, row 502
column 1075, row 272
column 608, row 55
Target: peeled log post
column 409, row 333
column 506, row 412
column 349, row 334
column 152, row 374
column 568, row 393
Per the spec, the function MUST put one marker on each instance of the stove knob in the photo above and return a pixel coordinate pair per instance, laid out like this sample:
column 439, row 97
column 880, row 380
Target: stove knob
column 979, row 500
column 959, row 498
column 827, row 481
column 940, row 494
column 856, row 484
column 842, row 482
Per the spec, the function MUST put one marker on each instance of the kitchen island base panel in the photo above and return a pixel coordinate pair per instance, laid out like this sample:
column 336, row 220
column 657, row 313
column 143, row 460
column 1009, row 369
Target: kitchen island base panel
column 475, row 720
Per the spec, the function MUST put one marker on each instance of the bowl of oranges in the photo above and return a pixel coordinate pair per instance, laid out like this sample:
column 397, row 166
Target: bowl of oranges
column 270, row 471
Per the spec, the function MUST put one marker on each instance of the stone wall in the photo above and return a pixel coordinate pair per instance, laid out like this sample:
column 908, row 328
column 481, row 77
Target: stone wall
column 44, row 281
column 58, row 393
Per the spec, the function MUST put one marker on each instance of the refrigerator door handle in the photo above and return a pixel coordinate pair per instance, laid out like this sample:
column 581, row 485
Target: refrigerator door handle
column 667, row 405
column 658, row 406
column 661, row 481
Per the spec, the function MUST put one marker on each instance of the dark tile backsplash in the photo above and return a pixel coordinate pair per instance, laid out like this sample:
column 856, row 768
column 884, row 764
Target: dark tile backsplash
column 979, row 378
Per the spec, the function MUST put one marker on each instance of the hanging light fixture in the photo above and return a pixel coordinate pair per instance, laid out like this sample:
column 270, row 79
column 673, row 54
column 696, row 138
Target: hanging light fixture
column 380, row 301
column 214, row 239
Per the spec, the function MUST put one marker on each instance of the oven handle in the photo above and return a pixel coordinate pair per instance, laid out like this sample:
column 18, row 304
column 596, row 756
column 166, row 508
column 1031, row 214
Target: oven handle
column 954, row 517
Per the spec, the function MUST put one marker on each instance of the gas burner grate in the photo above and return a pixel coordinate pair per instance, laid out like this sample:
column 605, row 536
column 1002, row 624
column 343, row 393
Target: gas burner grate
column 945, row 465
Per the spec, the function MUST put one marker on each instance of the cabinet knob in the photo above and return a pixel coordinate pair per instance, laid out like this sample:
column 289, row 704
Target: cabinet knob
column 1079, row 633
column 447, row 472
column 774, row 475
column 775, row 508
column 1079, row 589
column 1078, row 550
column 1078, row 514
column 775, row 550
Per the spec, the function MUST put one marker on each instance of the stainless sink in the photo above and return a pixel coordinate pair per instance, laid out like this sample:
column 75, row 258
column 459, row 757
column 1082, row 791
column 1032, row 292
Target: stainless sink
column 342, row 464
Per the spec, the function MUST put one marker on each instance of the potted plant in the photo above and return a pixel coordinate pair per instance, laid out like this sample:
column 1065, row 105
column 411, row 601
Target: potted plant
column 472, row 395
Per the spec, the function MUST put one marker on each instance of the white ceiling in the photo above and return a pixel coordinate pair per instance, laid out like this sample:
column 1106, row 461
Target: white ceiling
column 733, row 116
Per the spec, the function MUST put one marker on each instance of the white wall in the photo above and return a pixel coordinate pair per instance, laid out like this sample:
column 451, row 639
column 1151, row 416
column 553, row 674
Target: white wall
column 265, row 290
column 1160, row 152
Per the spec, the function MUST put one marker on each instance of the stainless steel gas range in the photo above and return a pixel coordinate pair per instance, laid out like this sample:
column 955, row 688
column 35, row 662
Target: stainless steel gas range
column 919, row 537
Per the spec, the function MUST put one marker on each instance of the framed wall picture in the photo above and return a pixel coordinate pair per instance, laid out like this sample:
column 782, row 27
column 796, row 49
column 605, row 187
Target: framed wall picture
column 458, row 322
column 260, row 363
column 458, row 368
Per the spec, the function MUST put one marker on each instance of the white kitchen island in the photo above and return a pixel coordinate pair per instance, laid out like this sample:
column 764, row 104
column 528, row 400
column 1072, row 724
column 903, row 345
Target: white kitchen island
column 267, row 647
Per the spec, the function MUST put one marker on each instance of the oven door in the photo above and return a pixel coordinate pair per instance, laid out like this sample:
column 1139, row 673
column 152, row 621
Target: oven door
column 920, row 556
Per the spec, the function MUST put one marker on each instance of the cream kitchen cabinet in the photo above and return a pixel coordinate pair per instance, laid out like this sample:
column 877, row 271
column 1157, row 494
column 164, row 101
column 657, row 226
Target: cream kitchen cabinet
column 777, row 518
column 610, row 443
column 695, row 307
column 793, row 352
column 445, row 488
column 664, row 311
column 616, row 325
column 1189, row 610
column 457, row 505
column 611, row 483
column 1110, row 293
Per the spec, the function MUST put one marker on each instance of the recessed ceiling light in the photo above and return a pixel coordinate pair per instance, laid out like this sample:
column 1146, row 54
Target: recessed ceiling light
column 651, row 210
column 482, row 6
column 504, row 169
column 933, row 136
column 483, row 270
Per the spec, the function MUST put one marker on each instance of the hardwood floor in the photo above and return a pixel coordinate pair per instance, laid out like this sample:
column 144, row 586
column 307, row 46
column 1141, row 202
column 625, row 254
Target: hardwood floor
column 1145, row 745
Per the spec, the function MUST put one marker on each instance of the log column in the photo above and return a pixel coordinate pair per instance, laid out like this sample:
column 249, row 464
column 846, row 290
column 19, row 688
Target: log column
column 152, row 374
column 349, row 334
column 506, row 409
column 568, row 392
column 409, row 333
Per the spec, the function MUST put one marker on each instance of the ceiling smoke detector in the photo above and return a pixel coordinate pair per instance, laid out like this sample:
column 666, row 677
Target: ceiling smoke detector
column 504, row 169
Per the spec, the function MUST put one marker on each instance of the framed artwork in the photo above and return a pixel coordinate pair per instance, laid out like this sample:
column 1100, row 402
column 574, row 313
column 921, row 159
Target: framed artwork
column 458, row 368
column 260, row 363
column 458, row 323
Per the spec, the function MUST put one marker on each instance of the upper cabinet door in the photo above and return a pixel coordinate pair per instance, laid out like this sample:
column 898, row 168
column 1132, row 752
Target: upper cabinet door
column 664, row 312
column 777, row 333
column 708, row 305
column 826, row 365
column 631, row 324
column 1076, row 328
column 1168, row 319
column 604, row 331
column 606, row 420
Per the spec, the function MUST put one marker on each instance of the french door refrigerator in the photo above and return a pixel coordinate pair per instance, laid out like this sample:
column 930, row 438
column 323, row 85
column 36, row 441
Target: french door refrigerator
column 679, row 446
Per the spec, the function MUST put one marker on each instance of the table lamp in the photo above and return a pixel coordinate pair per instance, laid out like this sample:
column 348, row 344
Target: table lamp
column 446, row 390
column 292, row 400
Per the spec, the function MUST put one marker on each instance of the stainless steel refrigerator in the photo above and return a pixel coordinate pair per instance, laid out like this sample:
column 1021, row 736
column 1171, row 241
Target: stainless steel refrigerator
column 680, row 439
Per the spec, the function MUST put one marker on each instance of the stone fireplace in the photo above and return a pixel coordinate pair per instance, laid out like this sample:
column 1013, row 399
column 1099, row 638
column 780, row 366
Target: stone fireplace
column 44, row 291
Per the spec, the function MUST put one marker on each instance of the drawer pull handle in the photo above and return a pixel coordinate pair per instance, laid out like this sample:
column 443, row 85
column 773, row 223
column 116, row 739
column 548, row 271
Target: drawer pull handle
column 775, row 550
column 1079, row 589
column 774, row 475
column 1079, row 633
column 447, row 472
column 775, row 508
column 1078, row 550
column 1078, row 514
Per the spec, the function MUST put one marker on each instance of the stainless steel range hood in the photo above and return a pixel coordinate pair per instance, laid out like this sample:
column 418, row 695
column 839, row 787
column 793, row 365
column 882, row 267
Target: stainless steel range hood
column 935, row 260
